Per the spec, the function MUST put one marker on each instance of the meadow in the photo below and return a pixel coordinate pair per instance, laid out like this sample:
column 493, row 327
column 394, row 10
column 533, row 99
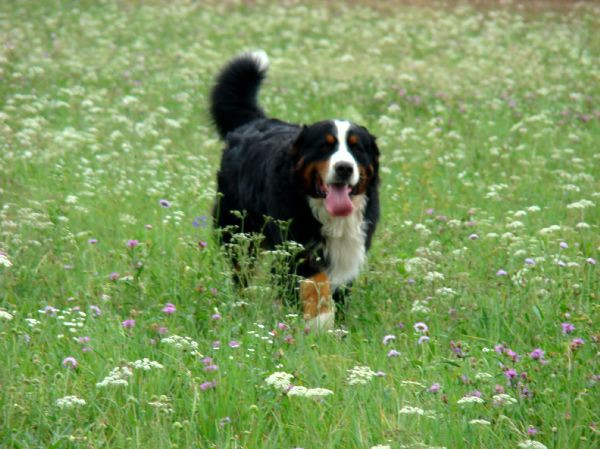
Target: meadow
column 475, row 322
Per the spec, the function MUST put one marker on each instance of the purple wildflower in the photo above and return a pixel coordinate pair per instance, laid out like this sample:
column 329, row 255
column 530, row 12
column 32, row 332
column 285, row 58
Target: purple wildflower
column 216, row 344
column 202, row 244
column 96, row 310
column 210, row 368
column 200, row 222
column 591, row 261
column 114, row 276
column 92, row 241
column 208, row 385
column 474, row 393
column 567, row 328
column 530, row 261
column 169, row 308
column 499, row 389
column 532, row 431
column 282, row 326
column 69, row 362
column 132, row 243
column 128, row 324
column 564, row 245
column 224, row 421
column 511, row 373
column 536, row 354
column 576, row 343
column 164, row 203
column 501, row 272
column 393, row 353
column 50, row 311
column 473, row 237
column 435, row 388
column 234, row 344
column 216, row 316
column 423, row 339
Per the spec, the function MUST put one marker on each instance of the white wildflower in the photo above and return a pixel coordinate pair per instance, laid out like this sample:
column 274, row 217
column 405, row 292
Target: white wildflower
column 5, row 261
column 69, row 402
column 312, row 393
column 181, row 343
column 381, row 446
column 531, row 444
column 4, row 315
column 146, row 364
column 360, row 375
column 470, row 400
column 503, row 399
column 582, row 204
column 482, row 422
column 411, row 410
column 32, row 322
column 280, row 380
column 483, row 376
column 117, row 377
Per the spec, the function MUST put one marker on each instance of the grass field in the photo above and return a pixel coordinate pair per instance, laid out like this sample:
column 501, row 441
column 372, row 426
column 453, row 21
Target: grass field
column 476, row 321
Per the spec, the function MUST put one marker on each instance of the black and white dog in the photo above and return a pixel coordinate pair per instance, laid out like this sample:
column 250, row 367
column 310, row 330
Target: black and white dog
column 322, row 178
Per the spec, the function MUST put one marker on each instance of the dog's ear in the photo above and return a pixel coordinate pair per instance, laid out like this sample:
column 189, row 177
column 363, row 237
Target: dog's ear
column 299, row 141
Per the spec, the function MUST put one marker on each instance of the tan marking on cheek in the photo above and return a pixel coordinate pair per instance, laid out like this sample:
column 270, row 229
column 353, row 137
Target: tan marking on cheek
column 315, row 294
column 365, row 176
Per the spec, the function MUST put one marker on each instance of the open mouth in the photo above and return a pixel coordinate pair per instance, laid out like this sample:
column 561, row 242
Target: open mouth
column 337, row 197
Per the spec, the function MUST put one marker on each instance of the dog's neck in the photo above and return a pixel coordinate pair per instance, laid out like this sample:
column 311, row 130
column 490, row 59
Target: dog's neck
column 344, row 246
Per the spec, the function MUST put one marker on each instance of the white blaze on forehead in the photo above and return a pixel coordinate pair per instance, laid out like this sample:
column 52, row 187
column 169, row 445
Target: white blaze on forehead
column 342, row 153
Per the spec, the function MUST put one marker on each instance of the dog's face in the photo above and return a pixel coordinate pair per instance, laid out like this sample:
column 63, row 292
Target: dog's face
column 335, row 161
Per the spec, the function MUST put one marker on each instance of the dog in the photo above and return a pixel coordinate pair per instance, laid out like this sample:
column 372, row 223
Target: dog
column 321, row 178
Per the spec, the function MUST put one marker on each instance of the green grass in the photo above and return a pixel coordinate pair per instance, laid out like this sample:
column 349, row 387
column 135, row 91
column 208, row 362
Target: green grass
column 488, row 122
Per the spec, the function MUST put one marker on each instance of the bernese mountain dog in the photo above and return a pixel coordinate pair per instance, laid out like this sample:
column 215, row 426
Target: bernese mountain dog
column 321, row 178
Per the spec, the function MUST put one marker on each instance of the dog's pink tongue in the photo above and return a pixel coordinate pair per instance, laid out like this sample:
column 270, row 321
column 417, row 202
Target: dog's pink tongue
column 337, row 201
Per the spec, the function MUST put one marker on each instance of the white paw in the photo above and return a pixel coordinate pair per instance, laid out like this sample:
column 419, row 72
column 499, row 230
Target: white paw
column 322, row 322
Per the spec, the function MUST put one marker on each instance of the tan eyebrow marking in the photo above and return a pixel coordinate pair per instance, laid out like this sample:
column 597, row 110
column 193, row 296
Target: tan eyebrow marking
column 330, row 139
column 353, row 139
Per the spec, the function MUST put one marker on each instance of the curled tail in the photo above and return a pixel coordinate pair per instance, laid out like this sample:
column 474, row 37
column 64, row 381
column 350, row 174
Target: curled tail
column 233, row 100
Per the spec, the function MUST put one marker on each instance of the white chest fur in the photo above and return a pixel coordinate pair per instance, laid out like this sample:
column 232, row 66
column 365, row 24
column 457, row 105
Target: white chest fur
column 344, row 240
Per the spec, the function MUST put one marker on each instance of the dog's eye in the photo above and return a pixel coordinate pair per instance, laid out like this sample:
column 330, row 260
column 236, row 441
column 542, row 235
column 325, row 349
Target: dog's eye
column 329, row 139
column 353, row 140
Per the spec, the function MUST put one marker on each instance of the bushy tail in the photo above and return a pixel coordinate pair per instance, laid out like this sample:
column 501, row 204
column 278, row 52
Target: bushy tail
column 233, row 100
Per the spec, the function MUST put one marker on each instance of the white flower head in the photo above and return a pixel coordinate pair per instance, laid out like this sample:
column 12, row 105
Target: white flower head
column 531, row 444
column 69, row 402
column 280, row 380
column 470, row 400
column 360, row 375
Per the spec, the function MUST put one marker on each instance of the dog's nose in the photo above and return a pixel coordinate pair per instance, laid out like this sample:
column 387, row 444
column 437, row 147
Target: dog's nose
column 343, row 170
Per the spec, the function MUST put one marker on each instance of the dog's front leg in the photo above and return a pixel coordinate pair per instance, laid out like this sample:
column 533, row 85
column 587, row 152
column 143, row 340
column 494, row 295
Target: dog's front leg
column 317, row 303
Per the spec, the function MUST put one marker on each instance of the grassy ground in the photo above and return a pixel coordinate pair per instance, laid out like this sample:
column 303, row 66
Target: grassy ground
column 482, row 280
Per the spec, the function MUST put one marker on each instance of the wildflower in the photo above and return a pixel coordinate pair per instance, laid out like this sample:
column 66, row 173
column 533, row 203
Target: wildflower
column 393, row 353
column 360, row 375
column 117, row 377
column 216, row 316
column 69, row 362
column 181, row 343
column 591, row 261
column 531, row 444
column 503, row 399
column 410, row 410
column 128, row 324
column 510, row 373
column 164, row 203
column 312, row 393
column 470, row 400
column 132, row 243
column 388, row 338
column 200, row 222
column 421, row 327
column 146, row 364
column 531, row 431
column 234, row 344
column 483, row 376
column 282, row 326
column 434, row 388
column 208, row 385
column 473, row 237
column 92, row 241
column 567, row 328
column 381, row 446
column 96, row 310
column 67, row 402
column 4, row 315
column 113, row 276
column 499, row 389
column 280, row 380
column 576, row 343
column 501, row 272
column 5, row 261
column 169, row 308
column 423, row 339
column 536, row 354
column 564, row 245
column 202, row 244
column 530, row 261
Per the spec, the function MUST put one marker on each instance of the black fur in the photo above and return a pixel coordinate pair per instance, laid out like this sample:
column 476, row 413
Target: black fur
column 264, row 165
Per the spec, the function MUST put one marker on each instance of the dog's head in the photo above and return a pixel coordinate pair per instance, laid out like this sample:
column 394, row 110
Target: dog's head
column 336, row 161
